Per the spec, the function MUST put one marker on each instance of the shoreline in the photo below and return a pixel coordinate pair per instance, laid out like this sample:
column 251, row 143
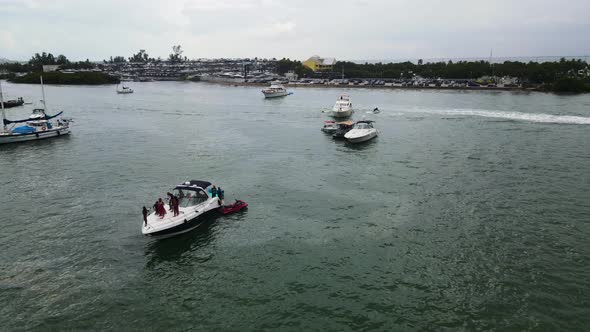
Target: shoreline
column 380, row 87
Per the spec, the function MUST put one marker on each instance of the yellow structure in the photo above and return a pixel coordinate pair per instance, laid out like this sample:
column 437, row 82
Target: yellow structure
column 316, row 63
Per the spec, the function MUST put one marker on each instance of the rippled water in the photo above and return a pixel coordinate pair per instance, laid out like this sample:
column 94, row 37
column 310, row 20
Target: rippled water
column 470, row 211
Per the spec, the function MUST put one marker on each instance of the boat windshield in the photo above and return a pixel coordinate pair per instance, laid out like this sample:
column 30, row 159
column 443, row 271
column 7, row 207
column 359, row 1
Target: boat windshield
column 188, row 198
column 362, row 126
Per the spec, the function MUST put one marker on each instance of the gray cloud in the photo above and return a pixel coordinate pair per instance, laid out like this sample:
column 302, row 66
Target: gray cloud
column 362, row 29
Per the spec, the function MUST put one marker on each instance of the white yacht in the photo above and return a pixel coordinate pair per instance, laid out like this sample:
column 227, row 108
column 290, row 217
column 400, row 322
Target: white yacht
column 195, row 201
column 124, row 89
column 361, row 132
column 343, row 107
column 37, row 126
column 275, row 90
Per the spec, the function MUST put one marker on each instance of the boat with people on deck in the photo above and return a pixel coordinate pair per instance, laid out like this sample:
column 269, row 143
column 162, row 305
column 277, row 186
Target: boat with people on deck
column 195, row 200
column 38, row 125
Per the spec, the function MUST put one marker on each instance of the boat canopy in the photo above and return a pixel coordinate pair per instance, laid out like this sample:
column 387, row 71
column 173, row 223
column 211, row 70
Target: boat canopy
column 45, row 117
column 23, row 130
column 193, row 184
column 347, row 123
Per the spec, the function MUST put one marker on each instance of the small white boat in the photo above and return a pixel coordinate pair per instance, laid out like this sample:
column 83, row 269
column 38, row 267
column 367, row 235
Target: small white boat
column 124, row 89
column 275, row 90
column 343, row 107
column 37, row 126
column 195, row 202
column 330, row 127
column 361, row 132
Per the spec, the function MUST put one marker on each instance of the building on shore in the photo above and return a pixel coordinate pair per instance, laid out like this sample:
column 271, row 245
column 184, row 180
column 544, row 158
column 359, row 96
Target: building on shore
column 50, row 68
column 291, row 76
column 318, row 64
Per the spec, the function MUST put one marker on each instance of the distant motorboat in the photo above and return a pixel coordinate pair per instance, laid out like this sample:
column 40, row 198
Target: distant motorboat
column 275, row 90
column 124, row 89
column 14, row 102
column 330, row 127
column 343, row 107
column 361, row 132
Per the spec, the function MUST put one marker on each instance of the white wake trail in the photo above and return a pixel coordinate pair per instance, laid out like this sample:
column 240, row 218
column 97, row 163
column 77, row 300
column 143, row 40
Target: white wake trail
column 519, row 116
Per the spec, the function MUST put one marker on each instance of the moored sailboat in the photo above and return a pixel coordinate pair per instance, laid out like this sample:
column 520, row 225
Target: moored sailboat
column 39, row 125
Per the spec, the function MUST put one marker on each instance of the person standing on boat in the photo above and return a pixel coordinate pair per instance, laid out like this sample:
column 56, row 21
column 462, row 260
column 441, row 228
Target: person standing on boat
column 156, row 208
column 145, row 213
column 213, row 191
column 175, row 203
column 170, row 198
column 219, row 193
column 161, row 208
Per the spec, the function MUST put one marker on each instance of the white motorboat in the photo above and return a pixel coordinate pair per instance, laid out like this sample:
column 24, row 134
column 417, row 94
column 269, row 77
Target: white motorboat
column 361, row 132
column 124, row 89
column 330, row 127
column 275, row 90
column 195, row 202
column 37, row 126
column 343, row 107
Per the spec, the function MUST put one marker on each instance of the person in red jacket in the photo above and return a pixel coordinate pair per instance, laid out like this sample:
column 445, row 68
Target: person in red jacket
column 161, row 208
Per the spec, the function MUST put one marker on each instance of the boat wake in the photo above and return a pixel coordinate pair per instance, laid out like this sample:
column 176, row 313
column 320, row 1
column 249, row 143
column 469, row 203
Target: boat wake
column 517, row 116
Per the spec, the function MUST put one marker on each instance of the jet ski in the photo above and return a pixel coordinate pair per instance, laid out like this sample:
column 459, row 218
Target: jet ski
column 234, row 207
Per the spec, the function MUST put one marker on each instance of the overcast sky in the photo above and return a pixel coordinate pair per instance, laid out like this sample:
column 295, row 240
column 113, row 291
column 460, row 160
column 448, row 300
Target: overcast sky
column 355, row 29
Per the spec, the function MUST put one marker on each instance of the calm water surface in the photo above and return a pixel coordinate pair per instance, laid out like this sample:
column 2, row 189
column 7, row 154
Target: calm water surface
column 470, row 211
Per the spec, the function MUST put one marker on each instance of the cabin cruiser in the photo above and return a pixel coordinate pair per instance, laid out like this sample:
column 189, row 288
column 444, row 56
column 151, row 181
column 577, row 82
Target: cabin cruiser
column 38, row 125
column 343, row 107
column 275, row 90
column 343, row 128
column 195, row 202
column 330, row 127
column 124, row 89
column 361, row 132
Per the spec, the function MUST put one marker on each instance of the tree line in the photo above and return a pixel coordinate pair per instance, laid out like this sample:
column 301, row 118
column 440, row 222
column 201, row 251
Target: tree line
column 143, row 57
column 533, row 72
column 39, row 59
column 44, row 58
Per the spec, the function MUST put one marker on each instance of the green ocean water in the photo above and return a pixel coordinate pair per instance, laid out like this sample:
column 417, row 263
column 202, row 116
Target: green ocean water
column 470, row 211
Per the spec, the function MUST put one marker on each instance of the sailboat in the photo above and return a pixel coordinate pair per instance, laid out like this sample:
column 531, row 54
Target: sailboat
column 39, row 125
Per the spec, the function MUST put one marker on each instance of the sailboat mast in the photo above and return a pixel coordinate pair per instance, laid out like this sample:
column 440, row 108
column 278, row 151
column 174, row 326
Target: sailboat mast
column 43, row 93
column 2, row 106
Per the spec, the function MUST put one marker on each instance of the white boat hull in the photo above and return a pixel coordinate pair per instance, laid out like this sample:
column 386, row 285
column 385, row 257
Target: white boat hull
column 188, row 219
column 362, row 137
column 16, row 138
column 342, row 113
column 275, row 94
